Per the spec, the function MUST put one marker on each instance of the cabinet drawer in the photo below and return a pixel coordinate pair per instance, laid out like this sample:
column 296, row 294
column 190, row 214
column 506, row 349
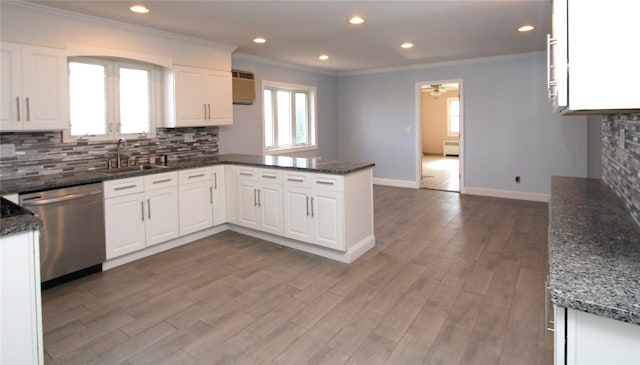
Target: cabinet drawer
column 194, row 175
column 269, row 175
column 327, row 182
column 297, row 179
column 122, row 187
column 163, row 180
column 249, row 173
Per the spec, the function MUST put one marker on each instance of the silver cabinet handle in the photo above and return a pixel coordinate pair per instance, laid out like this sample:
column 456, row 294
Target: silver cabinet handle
column 259, row 200
column 215, row 180
column 161, row 181
column 18, row 105
column 307, row 206
column 312, row 207
column 194, row 176
column 269, row 176
column 149, row 208
column 547, row 322
column 245, row 174
column 125, row 187
column 142, row 210
column 325, row 182
column 210, row 195
column 28, row 110
column 295, row 180
column 204, row 108
column 209, row 109
column 255, row 200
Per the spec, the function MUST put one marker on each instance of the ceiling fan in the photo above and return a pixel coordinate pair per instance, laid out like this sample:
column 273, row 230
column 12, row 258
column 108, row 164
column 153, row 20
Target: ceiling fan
column 435, row 90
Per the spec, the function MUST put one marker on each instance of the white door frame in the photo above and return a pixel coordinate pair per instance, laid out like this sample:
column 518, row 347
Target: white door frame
column 418, row 129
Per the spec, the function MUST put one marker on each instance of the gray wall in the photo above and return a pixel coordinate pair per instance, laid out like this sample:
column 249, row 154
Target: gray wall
column 245, row 135
column 509, row 126
column 595, row 146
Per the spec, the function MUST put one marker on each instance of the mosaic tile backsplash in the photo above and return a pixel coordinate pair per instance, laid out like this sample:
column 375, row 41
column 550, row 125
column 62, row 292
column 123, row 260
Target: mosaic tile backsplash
column 621, row 164
column 44, row 153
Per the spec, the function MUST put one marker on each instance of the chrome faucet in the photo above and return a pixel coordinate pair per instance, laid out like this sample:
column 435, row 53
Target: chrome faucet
column 119, row 163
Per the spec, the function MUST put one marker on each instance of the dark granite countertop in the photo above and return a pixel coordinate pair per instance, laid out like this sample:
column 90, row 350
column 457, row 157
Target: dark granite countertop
column 594, row 250
column 15, row 219
column 316, row 165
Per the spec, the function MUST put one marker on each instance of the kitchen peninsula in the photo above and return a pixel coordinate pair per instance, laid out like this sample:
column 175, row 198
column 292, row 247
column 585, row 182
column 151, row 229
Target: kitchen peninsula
column 317, row 206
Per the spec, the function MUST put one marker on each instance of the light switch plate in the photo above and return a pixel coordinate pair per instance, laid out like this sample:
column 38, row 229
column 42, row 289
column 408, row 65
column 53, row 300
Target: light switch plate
column 7, row 150
column 188, row 137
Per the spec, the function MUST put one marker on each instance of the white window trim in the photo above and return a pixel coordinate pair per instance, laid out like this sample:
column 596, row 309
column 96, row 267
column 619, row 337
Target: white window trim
column 313, row 130
column 113, row 120
column 449, row 133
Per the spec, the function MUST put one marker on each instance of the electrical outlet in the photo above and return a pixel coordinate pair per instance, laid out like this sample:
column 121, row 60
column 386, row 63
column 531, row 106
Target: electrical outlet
column 518, row 179
column 7, row 150
column 188, row 137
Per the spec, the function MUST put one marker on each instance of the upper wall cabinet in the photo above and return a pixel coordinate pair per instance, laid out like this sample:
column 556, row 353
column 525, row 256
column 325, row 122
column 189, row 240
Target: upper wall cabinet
column 591, row 56
column 34, row 91
column 197, row 97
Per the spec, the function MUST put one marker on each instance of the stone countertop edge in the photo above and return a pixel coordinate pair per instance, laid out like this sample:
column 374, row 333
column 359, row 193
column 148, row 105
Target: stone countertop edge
column 594, row 250
column 18, row 223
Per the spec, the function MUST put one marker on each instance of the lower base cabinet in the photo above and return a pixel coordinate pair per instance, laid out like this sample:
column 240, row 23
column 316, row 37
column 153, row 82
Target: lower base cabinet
column 195, row 200
column 21, row 309
column 584, row 338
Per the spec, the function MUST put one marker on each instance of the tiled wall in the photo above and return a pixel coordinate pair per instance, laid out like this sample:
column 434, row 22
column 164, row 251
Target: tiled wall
column 43, row 153
column 621, row 165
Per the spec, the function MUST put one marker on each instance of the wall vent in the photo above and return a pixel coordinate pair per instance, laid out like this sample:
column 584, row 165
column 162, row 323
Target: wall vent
column 244, row 87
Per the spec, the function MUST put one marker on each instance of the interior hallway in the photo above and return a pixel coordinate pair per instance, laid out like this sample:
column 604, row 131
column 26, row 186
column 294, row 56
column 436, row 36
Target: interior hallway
column 440, row 173
column 453, row 279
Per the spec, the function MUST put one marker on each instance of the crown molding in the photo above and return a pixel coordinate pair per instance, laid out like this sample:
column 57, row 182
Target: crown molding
column 288, row 65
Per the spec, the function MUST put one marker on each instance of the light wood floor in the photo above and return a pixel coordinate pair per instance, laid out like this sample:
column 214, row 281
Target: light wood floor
column 453, row 279
column 440, row 173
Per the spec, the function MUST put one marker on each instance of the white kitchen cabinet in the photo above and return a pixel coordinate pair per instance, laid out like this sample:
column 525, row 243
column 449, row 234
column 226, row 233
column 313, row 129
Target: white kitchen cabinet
column 124, row 216
column 161, row 197
column 592, row 339
column 592, row 66
column 195, row 200
column 314, row 209
column 198, row 97
column 33, row 88
column 21, row 309
column 260, row 197
column 219, row 195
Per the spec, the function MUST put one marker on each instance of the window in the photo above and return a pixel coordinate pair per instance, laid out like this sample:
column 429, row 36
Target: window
column 289, row 117
column 110, row 99
column 453, row 117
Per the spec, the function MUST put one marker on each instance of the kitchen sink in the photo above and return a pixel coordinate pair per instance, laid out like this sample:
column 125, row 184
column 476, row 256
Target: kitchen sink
column 123, row 169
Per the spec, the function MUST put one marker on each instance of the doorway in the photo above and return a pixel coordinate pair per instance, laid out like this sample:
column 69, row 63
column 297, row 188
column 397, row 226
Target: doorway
column 439, row 132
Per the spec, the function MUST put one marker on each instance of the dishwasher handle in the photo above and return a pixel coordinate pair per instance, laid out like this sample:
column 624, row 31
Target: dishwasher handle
column 37, row 201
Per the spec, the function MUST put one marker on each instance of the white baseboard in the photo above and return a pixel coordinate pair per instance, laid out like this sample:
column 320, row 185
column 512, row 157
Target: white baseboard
column 508, row 194
column 396, row 183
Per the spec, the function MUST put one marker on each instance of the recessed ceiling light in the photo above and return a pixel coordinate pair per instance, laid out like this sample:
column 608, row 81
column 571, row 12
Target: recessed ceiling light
column 323, row 57
column 356, row 20
column 259, row 40
column 140, row 9
column 526, row 28
column 406, row 45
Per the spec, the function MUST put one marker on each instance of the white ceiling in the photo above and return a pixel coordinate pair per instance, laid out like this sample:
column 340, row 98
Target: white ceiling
column 297, row 32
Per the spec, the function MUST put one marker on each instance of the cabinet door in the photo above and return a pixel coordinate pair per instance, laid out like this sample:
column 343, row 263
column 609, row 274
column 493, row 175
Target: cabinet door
column 10, row 87
column 247, row 204
column 219, row 98
column 196, row 210
column 125, row 224
column 270, row 209
column 327, row 216
column 297, row 223
column 162, row 215
column 231, row 196
column 190, row 97
column 44, row 88
column 219, row 196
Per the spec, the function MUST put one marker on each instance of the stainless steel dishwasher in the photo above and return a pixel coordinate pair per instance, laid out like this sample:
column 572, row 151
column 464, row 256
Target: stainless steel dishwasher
column 72, row 234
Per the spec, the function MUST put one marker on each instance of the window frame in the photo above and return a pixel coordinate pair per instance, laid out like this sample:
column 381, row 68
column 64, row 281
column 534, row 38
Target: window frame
column 112, row 66
column 449, row 132
column 312, row 125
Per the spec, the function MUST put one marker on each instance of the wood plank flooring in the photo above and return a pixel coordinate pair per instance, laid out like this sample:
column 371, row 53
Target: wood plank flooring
column 453, row 279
